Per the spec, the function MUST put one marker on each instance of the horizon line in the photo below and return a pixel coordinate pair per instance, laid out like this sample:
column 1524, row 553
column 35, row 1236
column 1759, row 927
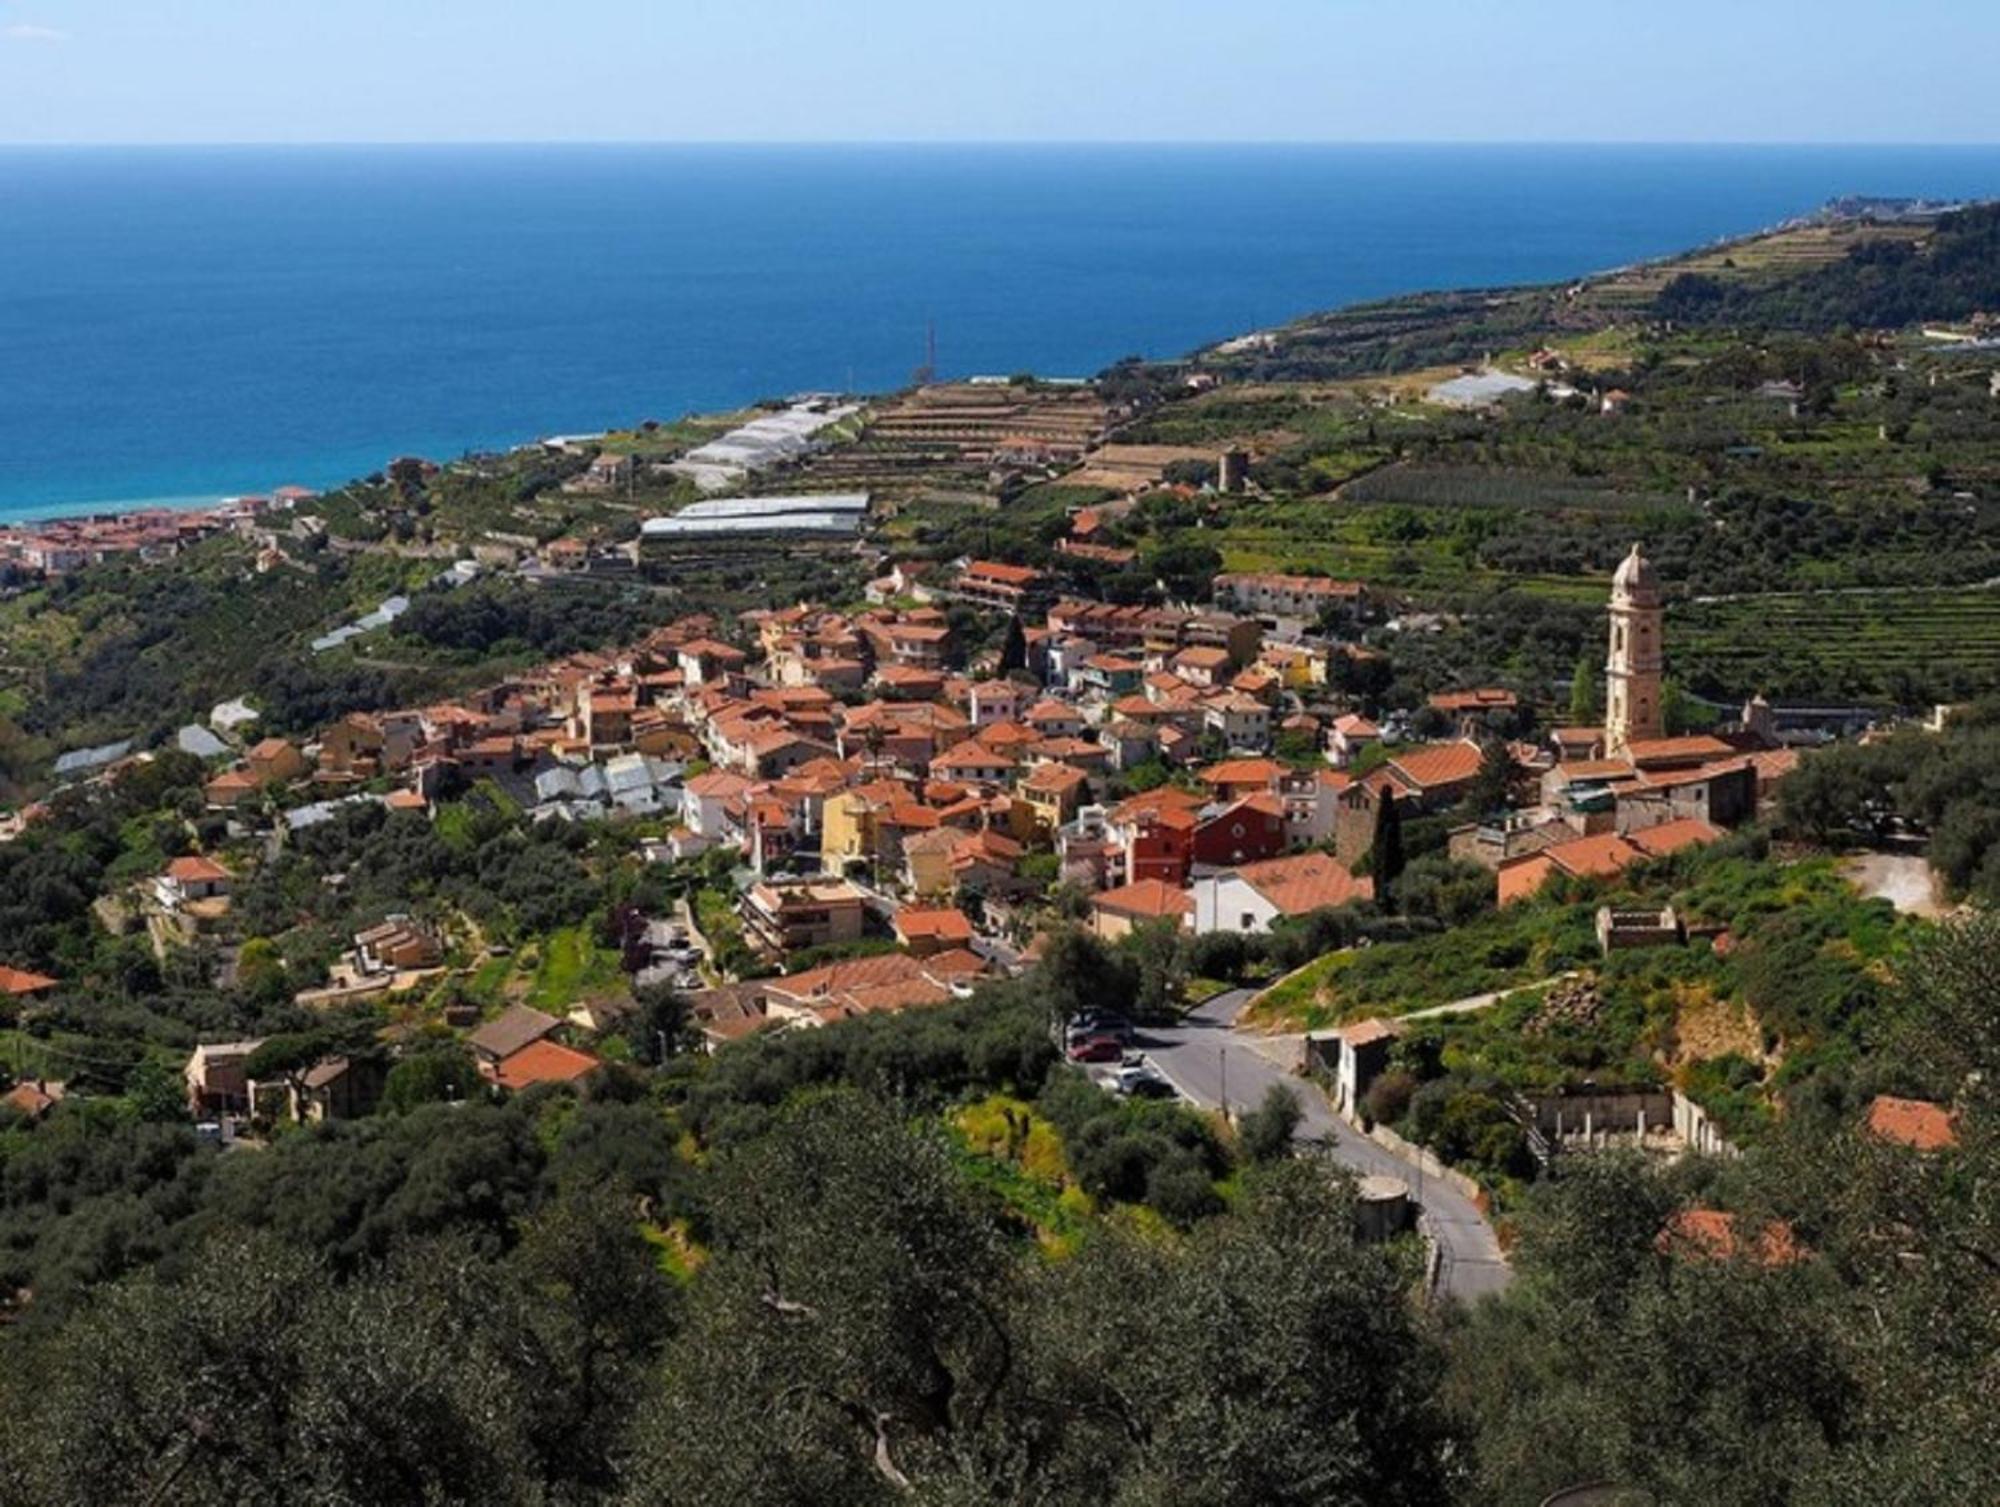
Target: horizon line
column 997, row 142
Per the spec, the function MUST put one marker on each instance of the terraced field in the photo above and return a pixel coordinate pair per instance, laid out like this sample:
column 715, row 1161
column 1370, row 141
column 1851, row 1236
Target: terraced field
column 1907, row 645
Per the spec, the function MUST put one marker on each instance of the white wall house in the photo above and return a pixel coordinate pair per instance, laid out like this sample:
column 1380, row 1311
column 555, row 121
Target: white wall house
column 1229, row 902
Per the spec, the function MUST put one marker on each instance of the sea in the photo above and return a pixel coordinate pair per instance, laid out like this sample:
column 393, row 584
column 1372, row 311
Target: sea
column 181, row 324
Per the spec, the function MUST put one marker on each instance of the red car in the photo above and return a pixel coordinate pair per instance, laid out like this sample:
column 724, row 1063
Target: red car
column 1097, row 1049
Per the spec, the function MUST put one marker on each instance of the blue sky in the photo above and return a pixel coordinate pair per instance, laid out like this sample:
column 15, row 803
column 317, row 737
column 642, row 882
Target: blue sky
column 1064, row 70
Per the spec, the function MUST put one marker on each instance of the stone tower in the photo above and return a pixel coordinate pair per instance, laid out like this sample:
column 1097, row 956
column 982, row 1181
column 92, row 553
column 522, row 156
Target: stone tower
column 1632, row 712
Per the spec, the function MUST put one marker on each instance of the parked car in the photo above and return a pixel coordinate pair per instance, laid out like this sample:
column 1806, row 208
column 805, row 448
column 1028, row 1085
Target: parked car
column 1098, row 1023
column 1097, row 1049
column 1141, row 1080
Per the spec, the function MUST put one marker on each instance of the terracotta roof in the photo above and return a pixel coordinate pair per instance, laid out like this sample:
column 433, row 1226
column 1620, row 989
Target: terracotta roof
column 1597, row 769
column 1011, row 575
column 18, row 981
column 1244, row 772
column 1053, row 779
column 1483, row 699
column 32, row 1100
column 1364, row 1033
column 1305, row 882
column 971, row 755
column 1148, row 898
column 945, row 923
column 718, row 782
column 847, row 973
column 1671, row 837
column 1915, row 1123
column 901, row 994
column 1678, row 750
column 196, row 870
column 1597, row 857
column 1207, row 658
column 1438, row 764
column 544, row 1062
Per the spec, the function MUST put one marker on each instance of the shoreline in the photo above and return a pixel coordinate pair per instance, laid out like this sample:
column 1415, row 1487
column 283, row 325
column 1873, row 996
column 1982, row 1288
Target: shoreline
column 38, row 515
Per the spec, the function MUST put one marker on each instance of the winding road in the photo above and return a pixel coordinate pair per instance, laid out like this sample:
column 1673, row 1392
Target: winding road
column 1215, row 1068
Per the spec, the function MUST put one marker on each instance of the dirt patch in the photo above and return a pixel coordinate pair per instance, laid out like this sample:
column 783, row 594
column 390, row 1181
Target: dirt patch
column 1706, row 1027
column 1905, row 880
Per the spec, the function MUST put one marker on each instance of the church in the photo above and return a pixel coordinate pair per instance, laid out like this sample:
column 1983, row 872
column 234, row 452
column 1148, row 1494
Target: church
column 1635, row 672
column 1629, row 791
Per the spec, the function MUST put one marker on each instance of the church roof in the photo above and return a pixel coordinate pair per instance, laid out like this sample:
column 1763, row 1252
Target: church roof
column 1635, row 574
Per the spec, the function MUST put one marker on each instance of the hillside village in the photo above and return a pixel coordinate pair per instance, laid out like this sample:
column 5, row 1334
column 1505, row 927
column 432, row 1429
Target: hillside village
column 1466, row 816
column 848, row 817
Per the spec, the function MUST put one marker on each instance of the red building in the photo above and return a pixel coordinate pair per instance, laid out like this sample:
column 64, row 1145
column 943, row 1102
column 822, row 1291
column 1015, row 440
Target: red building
column 1242, row 832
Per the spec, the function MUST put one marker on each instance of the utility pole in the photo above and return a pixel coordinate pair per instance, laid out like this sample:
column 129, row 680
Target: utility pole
column 1225, row 1081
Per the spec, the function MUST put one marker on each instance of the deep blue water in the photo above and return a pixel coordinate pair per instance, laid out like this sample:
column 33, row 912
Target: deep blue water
column 186, row 323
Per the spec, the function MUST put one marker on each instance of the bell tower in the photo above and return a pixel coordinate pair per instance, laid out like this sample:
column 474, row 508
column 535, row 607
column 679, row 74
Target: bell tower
column 1637, row 664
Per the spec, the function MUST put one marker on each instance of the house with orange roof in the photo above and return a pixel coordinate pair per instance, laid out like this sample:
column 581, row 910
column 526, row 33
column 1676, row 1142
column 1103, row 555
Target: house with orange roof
column 1231, row 833
column 992, row 701
column 707, row 800
column 1116, row 913
column 862, row 986
column 993, row 586
column 914, row 645
column 1349, row 736
column 1604, row 855
column 1108, row 675
column 1469, row 710
column 354, row 747
column 1202, row 667
column 192, row 878
column 230, row 789
column 704, row 661
column 1270, row 594
column 543, row 1061
column 854, row 822
column 786, row 916
column 32, row 1100
column 973, row 763
column 985, row 860
column 897, row 682
column 1234, row 778
column 926, row 929
column 275, row 761
column 1053, row 792
column 20, row 983
column 1673, row 836
column 1055, row 719
column 1432, row 774
column 1240, row 721
column 1252, row 897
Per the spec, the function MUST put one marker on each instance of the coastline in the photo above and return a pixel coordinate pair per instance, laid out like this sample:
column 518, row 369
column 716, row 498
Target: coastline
column 32, row 515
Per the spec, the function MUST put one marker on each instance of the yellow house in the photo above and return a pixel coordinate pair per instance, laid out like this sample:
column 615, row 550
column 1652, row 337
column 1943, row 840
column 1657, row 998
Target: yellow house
column 851, row 823
column 847, row 828
column 1299, row 666
column 1052, row 792
column 927, row 861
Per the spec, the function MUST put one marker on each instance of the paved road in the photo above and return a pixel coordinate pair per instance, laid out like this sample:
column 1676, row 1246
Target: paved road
column 1210, row 1063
